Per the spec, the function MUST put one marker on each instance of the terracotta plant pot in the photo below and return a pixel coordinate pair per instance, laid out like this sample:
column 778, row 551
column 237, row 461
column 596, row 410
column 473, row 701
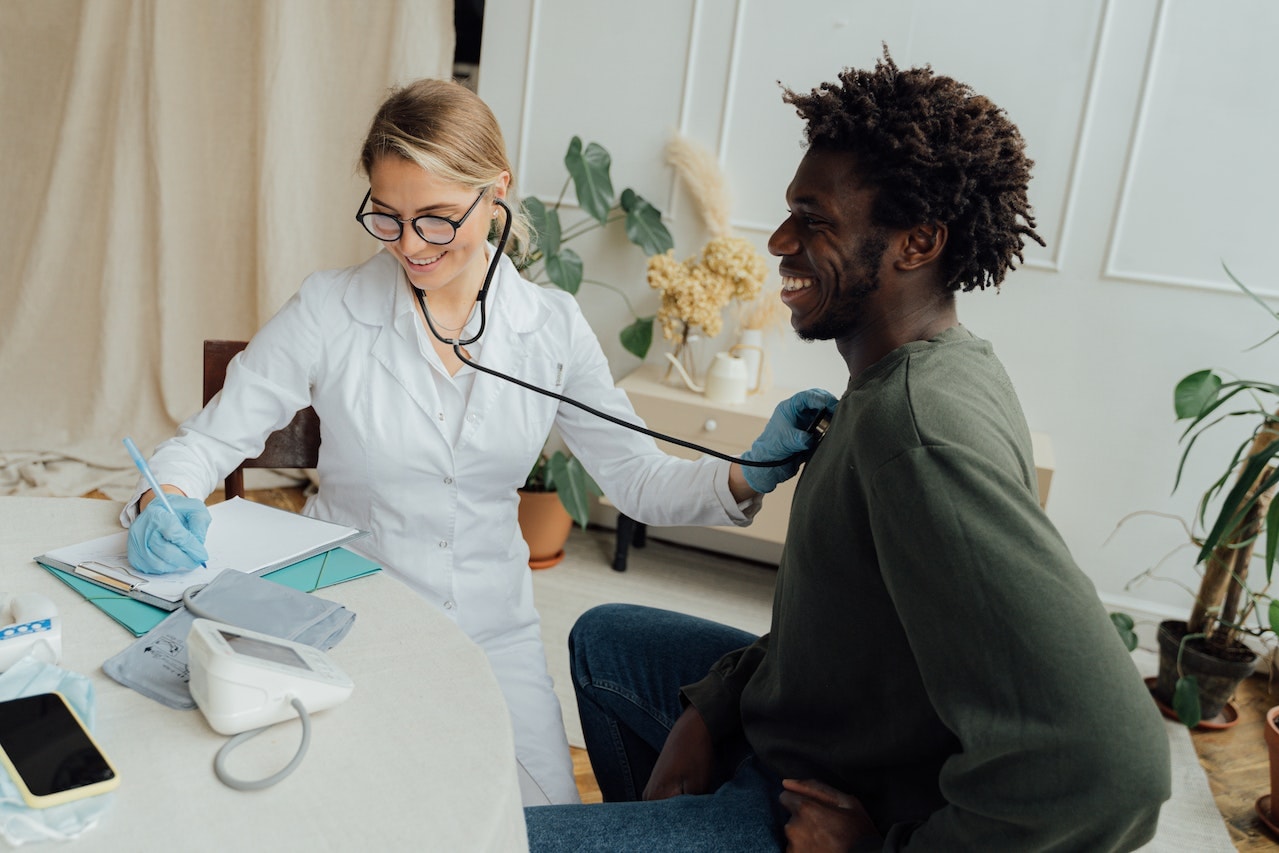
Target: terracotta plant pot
column 545, row 524
column 1218, row 678
column 1266, row 803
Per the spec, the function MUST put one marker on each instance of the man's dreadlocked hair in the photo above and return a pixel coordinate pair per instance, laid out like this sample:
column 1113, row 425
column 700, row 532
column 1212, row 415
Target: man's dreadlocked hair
column 936, row 152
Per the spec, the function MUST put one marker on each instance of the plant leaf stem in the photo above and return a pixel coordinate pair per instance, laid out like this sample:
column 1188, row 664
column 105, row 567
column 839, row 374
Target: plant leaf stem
column 577, row 229
column 616, row 290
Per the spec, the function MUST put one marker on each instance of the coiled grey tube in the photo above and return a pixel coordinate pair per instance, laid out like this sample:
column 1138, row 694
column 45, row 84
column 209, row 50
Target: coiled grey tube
column 219, row 763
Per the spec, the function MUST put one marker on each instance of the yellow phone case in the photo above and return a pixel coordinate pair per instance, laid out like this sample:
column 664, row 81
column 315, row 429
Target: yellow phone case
column 37, row 801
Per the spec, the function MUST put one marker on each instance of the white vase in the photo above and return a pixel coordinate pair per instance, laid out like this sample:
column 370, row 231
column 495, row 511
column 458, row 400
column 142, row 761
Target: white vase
column 750, row 348
column 685, row 358
column 727, row 379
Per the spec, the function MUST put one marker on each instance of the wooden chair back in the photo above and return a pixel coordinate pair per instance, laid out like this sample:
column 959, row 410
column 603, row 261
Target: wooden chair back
column 297, row 445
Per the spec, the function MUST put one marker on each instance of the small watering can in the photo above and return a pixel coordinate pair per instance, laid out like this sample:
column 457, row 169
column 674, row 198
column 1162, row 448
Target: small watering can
column 726, row 381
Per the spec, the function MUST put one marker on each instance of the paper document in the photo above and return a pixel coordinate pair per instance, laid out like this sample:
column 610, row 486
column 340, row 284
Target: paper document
column 244, row 536
column 137, row 617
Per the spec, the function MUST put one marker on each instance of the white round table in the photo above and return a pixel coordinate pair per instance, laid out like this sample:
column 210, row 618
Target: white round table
column 421, row 757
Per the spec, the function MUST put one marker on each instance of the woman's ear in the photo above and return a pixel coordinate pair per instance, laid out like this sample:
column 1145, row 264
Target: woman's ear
column 501, row 185
column 922, row 245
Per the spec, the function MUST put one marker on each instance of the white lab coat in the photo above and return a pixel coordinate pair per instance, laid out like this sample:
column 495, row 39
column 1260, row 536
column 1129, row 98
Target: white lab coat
column 443, row 516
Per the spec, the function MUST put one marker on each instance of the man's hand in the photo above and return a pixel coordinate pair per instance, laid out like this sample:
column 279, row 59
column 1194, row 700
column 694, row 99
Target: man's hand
column 822, row 818
column 686, row 764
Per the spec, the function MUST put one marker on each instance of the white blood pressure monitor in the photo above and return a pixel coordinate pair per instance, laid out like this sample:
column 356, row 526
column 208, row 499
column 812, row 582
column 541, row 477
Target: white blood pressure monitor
column 243, row 679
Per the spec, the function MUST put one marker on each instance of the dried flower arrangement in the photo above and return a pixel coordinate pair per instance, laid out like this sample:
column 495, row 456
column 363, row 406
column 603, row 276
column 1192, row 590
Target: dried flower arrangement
column 728, row 269
column 695, row 291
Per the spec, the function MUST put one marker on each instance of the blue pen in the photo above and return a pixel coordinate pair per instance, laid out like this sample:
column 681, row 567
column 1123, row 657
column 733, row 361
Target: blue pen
column 146, row 473
column 149, row 477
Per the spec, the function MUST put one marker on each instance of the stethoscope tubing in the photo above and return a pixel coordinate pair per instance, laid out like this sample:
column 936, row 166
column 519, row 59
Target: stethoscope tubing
column 457, row 350
column 481, row 298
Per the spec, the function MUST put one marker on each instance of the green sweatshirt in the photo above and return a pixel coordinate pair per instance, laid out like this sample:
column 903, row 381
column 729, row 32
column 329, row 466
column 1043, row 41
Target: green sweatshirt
column 934, row 649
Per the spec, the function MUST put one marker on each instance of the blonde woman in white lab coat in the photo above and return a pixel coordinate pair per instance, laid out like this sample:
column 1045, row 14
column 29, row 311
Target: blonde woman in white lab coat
column 416, row 447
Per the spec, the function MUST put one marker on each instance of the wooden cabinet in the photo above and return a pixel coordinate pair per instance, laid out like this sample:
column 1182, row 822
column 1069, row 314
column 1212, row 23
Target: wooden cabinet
column 681, row 413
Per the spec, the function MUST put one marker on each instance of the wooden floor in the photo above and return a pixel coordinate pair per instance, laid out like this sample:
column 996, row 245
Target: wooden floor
column 1235, row 759
column 1238, row 765
column 585, row 778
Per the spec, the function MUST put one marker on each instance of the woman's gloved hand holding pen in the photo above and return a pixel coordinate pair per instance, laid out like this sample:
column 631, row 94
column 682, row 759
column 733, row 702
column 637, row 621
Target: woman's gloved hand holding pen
column 161, row 542
column 784, row 436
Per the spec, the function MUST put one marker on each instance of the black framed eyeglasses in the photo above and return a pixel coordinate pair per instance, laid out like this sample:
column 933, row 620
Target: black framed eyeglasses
column 433, row 229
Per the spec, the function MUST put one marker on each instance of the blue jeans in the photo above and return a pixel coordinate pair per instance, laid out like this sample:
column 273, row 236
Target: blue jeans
column 628, row 663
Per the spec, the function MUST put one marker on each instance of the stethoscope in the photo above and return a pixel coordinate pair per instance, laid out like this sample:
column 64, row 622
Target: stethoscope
column 816, row 428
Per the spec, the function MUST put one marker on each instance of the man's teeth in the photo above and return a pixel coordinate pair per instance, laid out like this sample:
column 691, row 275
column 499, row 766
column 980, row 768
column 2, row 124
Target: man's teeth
column 425, row 262
column 796, row 283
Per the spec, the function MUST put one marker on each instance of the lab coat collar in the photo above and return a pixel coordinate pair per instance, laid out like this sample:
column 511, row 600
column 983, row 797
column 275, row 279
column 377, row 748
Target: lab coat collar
column 373, row 296
column 517, row 302
column 511, row 298
column 515, row 309
column 379, row 297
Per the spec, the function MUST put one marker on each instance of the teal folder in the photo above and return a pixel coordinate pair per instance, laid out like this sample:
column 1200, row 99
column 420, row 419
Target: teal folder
column 327, row 569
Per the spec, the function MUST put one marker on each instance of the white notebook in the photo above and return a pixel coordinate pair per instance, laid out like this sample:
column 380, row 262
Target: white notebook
column 244, row 536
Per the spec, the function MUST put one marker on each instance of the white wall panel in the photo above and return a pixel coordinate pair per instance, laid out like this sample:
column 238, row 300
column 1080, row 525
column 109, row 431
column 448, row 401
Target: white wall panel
column 621, row 87
column 710, row 69
column 1199, row 187
column 1041, row 78
column 1152, row 124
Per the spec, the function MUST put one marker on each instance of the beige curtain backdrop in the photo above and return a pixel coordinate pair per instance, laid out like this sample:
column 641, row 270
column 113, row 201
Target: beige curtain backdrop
column 170, row 171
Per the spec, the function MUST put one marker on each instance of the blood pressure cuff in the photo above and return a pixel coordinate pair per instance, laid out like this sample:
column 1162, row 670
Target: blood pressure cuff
column 155, row 664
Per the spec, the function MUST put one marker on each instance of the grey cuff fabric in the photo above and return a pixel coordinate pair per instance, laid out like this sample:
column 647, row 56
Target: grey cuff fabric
column 155, row 664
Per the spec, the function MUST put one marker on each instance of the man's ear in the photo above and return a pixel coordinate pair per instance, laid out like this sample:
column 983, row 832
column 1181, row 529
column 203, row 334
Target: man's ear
column 921, row 246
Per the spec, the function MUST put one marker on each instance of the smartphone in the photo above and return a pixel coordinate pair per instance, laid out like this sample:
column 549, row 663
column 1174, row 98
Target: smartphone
column 49, row 753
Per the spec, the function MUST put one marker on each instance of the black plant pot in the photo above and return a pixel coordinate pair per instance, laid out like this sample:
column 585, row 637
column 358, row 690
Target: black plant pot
column 1218, row 677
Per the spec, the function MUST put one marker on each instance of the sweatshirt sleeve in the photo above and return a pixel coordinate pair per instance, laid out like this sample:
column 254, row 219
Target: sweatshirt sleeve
column 718, row 695
column 1061, row 747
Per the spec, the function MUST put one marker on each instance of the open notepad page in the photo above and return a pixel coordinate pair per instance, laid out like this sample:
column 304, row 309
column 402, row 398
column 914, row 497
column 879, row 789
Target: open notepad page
column 243, row 536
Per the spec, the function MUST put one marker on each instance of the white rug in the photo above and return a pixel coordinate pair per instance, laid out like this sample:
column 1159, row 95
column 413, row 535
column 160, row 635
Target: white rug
column 1190, row 820
column 739, row 593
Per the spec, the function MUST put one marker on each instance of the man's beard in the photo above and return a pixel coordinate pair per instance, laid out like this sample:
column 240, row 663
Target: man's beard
column 843, row 315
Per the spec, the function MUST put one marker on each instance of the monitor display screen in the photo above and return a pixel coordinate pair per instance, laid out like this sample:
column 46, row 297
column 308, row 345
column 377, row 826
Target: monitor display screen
column 261, row 650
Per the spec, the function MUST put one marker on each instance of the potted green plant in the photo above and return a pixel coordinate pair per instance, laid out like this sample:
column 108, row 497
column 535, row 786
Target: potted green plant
column 1203, row 658
column 556, row 493
column 1266, row 803
column 554, row 263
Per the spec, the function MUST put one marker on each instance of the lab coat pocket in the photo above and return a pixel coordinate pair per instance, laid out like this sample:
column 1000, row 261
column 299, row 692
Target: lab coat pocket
column 510, row 423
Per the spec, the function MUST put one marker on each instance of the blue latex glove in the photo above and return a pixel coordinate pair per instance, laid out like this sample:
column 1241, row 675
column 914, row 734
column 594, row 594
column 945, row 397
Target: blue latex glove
column 161, row 541
column 784, row 436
